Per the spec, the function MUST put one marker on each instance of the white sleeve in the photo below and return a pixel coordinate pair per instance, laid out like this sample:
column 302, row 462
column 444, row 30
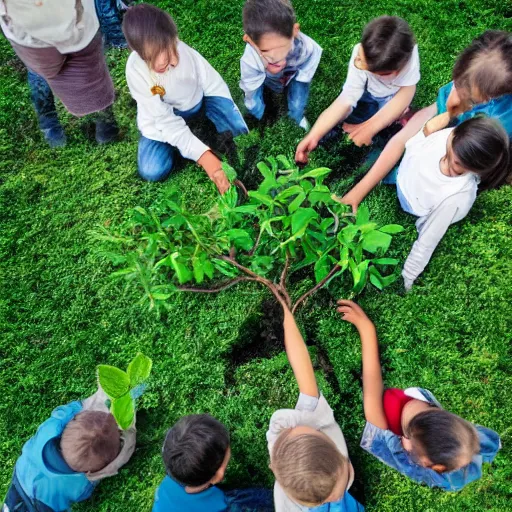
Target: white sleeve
column 164, row 125
column 252, row 75
column 355, row 82
column 308, row 68
column 431, row 229
column 410, row 75
column 211, row 81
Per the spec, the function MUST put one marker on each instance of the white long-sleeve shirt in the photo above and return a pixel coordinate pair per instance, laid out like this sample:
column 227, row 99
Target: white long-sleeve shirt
column 185, row 86
column 380, row 87
column 301, row 64
column 68, row 25
column 438, row 200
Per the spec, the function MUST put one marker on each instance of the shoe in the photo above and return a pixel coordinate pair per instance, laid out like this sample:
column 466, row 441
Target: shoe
column 106, row 132
column 55, row 136
column 304, row 124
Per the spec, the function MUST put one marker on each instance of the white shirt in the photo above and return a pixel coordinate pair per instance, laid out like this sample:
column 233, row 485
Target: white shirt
column 437, row 200
column 379, row 87
column 185, row 86
column 301, row 64
column 311, row 412
column 68, row 25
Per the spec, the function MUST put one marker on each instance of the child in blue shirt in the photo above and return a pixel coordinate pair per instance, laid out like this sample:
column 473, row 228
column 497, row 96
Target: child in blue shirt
column 278, row 56
column 196, row 453
column 409, row 431
column 74, row 449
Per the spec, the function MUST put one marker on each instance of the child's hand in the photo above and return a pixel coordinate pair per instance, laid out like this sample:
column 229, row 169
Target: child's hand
column 351, row 312
column 437, row 123
column 213, row 167
column 351, row 200
column 221, row 180
column 360, row 134
column 306, row 145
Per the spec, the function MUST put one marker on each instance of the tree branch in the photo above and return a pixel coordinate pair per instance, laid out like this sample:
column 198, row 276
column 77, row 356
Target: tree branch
column 225, row 286
column 333, row 271
column 255, row 246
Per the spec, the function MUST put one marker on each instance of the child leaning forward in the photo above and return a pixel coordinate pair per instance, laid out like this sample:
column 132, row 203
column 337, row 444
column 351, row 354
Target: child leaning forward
column 408, row 429
column 171, row 83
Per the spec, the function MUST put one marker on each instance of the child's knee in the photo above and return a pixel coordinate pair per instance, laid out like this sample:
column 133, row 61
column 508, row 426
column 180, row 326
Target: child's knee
column 155, row 165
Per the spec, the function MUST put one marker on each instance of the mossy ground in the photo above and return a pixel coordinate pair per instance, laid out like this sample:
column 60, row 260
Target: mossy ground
column 61, row 314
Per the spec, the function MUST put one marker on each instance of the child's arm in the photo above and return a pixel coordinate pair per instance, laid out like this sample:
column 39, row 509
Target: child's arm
column 389, row 157
column 298, row 355
column 373, row 387
column 362, row 134
column 329, row 118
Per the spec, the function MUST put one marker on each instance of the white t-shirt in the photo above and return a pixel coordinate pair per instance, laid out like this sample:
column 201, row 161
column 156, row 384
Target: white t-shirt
column 311, row 412
column 185, row 85
column 379, row 87
column 420, row 178
column 67, row 25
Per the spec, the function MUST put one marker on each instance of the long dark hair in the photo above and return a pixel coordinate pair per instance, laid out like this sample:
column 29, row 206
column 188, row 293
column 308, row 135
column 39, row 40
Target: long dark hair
column 486, row 65
column 443, row 437
column 483, row 147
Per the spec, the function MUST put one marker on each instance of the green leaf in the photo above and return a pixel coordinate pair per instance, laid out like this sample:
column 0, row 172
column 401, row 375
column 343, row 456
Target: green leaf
column 376, row 240
column 392, row 229
column 363, row 215
column 225, row 268
column 246, row 208
column 292, row 207
column 265, row 170
column 262, row 198
column 376, row 281
column 183, row 273
column 161, row 296
column 343, row 263
column 362, row 276
column 302, row 217
column 383, row 280
column 208, row 268
column 316, row 173
column 139, row 369
column 386, row 261
column 197, row 268
column 123, row 410
column 288, row 192
column 322, row 268
column 113, row 381
column 285, row 162
column 230, row 172
column 262, row 264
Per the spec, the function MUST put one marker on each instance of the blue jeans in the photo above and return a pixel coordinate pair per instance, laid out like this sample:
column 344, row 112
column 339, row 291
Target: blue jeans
column 250, row 500
column 156, row 159
column 366, row 108
column 40, row 92
column 297, row 96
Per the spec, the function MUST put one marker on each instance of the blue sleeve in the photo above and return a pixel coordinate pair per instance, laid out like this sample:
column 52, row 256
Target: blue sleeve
column 442, row 97
column 490, row 443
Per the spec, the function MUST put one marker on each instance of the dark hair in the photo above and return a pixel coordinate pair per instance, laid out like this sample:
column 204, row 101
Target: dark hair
column 387, row 43
column 149, row 31
column 443, row 437
column 90, row 441
column 268, row 16
column 194, row 449
column 483, row 147
column 486, row 65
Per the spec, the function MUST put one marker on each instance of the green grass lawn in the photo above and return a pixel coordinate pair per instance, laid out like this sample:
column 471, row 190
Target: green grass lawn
column 61, row 314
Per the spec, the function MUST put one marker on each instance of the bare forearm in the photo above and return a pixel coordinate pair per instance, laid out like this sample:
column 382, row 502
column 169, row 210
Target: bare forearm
column 330, row 117
column 298, row 356
column 372, row 373
column 394, row 108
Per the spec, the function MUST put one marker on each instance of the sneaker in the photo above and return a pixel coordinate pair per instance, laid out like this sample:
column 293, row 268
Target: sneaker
column 304, row 124
column 55, row 136
column 106, row 132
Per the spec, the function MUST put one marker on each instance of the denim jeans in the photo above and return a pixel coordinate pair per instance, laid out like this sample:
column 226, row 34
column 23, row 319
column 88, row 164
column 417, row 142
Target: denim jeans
column 40, row 92
column 156, row 159
column 297, row 96
column 17, row 501
column 250, row 500
column 366, row 108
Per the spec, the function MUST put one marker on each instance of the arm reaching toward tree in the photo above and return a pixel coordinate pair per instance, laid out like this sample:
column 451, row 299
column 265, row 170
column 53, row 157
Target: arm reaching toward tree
column 373, row 387
column 298, row 355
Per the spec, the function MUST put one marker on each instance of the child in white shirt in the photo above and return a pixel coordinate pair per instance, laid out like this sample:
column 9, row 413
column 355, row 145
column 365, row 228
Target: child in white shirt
column 277, row 56
column 438, row 180
column 381, row 82
column 171, row 82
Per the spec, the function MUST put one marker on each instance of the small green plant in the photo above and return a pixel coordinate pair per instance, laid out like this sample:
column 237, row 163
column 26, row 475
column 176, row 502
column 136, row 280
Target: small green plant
column 291, row 222
column 124, row 387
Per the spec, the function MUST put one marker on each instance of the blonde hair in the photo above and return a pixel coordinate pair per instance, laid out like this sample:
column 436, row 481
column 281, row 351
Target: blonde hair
column 90, row 441
column 307, row 466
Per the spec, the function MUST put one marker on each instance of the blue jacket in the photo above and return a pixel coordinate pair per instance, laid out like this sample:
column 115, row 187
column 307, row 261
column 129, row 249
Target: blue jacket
column 41, row 470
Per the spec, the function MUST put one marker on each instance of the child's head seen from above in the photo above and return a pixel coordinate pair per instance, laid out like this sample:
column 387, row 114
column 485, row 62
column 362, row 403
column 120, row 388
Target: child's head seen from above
column 479, row 145
column 483, row 71
column 270, row 27
column 196, row 451
column 386, row 46
column 309, row 467
column 152, row 33
column 441, row 440
column 90, row 441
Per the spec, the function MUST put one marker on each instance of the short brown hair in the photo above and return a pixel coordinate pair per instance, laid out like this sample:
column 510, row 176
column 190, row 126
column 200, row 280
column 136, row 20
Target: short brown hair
column 150, row 31
column 486, row 65
column 306, row 466
column 262, row 17
column 387, row 43
column 90, row 441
